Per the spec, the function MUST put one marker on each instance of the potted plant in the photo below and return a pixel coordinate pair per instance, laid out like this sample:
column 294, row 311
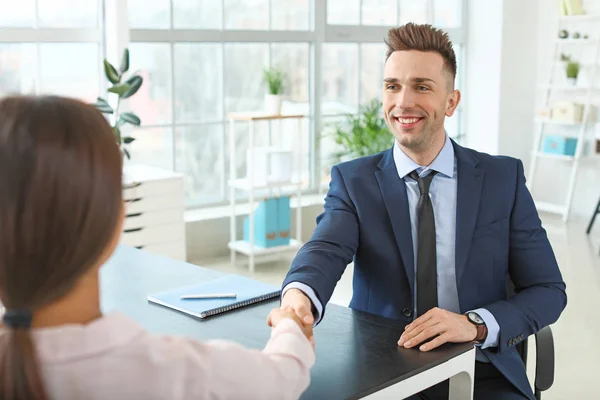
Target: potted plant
column 274, row 79
column 572, row 70
column 123, row 87
column 362, row 134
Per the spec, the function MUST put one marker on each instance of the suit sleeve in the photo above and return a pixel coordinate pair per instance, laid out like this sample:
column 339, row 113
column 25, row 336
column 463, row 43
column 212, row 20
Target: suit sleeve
column 321, row 262
column 540, row 295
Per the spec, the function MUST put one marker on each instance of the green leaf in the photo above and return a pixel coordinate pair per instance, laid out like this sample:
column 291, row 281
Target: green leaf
column 124, row 62
column 135, row 82
column 120, row 89
column 111, row 72
column 130, row 118
column 117, row 132
column 128, row 139
column 126, row 153
column 103, row 106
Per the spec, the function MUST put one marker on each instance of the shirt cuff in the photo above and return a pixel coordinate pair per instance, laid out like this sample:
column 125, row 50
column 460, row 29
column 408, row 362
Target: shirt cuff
column 492, row 327
column 307, row 290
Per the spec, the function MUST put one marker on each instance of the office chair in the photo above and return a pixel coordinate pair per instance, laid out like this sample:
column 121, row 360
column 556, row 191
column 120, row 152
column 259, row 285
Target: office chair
column 544, row 355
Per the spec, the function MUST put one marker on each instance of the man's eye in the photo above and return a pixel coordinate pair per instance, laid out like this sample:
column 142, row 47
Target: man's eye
column 391, row 87
column 423, row 88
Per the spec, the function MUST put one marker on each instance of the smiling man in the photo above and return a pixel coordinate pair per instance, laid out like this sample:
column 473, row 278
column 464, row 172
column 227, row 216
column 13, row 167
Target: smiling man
column 436, row 231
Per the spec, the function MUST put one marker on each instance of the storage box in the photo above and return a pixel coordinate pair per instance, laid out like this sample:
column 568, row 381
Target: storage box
column 265, row 224
column 566, row 111
column 284, row 221
column 554, row 144
column 269, row 165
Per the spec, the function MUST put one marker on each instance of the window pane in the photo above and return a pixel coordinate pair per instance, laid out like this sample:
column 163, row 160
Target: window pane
column 372, row 58
column 289, row 15
column 152, row 146
column 144, row 14
column 198, row 82
column 247, row 14
column 293, row 60
column 17, row 68
column 452, row 124
column 68, row 13
column 447, row 13
column 413, row 11
column 328, row 148
column 70, row 69
column 343, row 12
column 459, row 66
column 379, row 12
column 200, row 156
column 340, row 78
column 21, row 13
column 152, row 103
column 197, row 14
column 244, row 86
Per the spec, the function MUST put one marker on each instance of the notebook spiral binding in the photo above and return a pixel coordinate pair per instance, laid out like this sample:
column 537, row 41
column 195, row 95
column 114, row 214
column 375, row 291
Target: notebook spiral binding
column 240, row 304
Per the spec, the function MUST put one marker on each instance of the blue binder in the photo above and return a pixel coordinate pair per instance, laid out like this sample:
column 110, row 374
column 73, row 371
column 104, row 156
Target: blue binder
column 284, row 221
column 265, row 224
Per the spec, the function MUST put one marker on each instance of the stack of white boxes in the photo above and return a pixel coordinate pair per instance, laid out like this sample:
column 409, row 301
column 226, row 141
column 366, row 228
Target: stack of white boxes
column 154, row 207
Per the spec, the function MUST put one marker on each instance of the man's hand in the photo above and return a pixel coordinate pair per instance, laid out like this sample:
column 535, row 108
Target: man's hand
column 278, row 314
column 444, row 326
column 297, row 301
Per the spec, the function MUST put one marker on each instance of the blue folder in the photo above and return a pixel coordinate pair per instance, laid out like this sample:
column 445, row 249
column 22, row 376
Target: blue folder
column 248, row 292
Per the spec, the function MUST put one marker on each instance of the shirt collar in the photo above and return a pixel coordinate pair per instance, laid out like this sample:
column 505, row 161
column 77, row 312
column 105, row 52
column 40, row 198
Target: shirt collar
column 443, row 163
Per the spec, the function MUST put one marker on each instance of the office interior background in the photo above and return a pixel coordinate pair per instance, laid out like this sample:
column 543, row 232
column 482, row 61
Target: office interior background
column 202, row 62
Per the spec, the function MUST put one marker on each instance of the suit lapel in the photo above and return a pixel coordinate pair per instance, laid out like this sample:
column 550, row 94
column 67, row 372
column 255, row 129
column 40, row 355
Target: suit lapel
column 468, row 194
column 394, row 194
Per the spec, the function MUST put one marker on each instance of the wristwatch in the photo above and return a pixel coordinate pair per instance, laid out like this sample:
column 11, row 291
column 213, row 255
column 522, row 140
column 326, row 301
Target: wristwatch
column 479, row 323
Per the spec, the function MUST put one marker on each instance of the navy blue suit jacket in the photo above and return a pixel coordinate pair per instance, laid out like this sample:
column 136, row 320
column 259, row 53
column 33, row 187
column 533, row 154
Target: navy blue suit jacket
column 498, row 237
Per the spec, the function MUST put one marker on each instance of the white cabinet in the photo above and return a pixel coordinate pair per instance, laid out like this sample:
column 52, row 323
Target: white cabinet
column 154, row 206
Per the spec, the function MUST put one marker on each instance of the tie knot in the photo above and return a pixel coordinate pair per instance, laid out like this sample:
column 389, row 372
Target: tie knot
column 424, row 182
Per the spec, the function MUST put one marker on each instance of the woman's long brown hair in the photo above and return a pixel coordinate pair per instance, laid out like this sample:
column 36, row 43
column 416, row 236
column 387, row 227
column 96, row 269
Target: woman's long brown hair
column 60, row 204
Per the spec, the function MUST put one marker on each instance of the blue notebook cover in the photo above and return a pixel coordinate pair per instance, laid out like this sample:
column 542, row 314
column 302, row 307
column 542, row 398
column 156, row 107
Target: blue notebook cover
column 248, row 292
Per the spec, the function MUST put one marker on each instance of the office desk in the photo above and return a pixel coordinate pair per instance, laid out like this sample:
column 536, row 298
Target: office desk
column 357, row 355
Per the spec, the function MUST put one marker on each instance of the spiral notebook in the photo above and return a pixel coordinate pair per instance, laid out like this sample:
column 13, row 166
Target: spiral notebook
column 248, row 292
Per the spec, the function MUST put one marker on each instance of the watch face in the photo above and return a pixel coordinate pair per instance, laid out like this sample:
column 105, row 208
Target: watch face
column 475, row 318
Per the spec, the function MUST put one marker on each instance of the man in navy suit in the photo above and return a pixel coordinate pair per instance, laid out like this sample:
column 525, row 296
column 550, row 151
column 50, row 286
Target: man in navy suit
column 435, row 230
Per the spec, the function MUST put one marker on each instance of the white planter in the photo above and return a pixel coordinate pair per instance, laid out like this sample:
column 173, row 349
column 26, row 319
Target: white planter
column 273, row 104
column 572, row 81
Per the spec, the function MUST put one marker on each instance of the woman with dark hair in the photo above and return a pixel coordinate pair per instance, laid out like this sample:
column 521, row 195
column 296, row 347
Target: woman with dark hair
column 61, row 212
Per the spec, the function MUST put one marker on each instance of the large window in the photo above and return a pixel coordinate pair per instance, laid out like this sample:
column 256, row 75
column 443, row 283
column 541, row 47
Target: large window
column 202, row 59
column 51, row 46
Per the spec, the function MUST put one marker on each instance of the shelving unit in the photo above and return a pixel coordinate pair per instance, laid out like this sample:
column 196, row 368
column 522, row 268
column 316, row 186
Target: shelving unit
column 592, row 88
column 248, row 185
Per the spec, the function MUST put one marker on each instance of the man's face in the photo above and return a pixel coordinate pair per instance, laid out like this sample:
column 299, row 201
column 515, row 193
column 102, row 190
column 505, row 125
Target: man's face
column 417, row 95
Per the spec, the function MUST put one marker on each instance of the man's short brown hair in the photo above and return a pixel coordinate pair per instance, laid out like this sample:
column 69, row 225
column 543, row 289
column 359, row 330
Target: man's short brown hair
column 422, row 38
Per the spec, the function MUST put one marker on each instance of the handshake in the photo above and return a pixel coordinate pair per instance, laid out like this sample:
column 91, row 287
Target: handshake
column 296, row 306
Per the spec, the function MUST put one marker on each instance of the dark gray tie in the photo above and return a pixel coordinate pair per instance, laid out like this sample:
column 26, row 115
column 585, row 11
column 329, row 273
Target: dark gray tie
column 426, row 252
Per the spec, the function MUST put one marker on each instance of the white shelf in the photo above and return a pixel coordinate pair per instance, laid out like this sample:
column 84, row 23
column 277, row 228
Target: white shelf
column 242, row 246
column 567, row 88
column 577, row 41
column 550, row 208
column 556, row 122
column 579, row 18
column 244, row 184
column 541, row 154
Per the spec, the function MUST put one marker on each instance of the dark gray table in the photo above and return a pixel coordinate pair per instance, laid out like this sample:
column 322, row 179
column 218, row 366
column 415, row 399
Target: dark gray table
column 356, row 352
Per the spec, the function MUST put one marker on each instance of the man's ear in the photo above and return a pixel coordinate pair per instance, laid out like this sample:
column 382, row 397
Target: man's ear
column 452, row 102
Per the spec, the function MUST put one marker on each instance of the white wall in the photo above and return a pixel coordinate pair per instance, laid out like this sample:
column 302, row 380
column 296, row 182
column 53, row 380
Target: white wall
column 501, row 71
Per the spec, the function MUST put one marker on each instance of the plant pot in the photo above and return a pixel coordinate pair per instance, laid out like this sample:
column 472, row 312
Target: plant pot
column 572, row 81
column 273, row 104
